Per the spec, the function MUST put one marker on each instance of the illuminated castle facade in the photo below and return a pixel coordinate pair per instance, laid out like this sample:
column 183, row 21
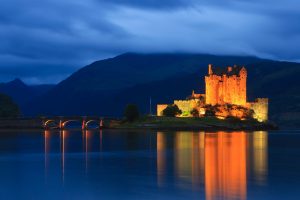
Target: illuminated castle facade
column 226, row 86
column 227, row 89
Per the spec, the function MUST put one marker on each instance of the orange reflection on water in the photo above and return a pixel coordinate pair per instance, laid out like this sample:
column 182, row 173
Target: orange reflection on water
column 183, row 155
column 189, row 157
column 88, row 136
column 217, row 160
column 100, row 140
column 197, row 158
column 161, row 157
column 260, row 156
column 46, row 149
column 225, row 165
column 63, row 149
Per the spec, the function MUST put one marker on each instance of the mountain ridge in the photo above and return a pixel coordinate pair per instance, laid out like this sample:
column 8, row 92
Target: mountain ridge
column 22, row 93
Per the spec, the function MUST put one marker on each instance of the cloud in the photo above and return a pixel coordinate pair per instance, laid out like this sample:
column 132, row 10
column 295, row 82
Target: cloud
column 45, row 41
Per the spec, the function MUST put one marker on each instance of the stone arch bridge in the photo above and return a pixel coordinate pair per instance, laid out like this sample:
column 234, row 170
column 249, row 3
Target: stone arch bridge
column 60, row 122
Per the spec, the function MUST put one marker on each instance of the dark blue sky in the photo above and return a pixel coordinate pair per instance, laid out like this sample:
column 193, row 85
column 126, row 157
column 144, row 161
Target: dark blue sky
column 44, row 41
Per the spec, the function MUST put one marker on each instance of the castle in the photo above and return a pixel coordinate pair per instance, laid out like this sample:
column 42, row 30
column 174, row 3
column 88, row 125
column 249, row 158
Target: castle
column 226, row 90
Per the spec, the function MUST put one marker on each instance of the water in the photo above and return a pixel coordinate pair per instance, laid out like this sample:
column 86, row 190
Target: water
column 149, row 165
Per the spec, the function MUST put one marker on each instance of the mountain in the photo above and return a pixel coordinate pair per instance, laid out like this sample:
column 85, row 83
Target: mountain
column 130, row 69
column 105, row 87
column 22, row 93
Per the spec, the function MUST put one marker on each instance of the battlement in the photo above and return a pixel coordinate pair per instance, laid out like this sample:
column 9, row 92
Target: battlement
column 262, row 100
column 227, row 71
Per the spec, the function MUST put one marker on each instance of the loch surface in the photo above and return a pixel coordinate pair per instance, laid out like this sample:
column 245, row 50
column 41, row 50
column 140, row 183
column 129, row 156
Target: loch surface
column 113, row 164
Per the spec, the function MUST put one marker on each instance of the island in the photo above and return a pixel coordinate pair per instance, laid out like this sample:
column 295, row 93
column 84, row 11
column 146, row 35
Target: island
column 224, row 106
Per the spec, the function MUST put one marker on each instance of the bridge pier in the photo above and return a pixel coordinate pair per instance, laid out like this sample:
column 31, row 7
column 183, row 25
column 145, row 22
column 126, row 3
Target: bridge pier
column 83, row 126
column 101, row 124
column 61, row 125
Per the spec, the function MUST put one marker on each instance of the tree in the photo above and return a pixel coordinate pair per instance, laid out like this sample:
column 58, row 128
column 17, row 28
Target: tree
column 195, row 112
column 8, row 109
column 131, row 112
column 171, row 111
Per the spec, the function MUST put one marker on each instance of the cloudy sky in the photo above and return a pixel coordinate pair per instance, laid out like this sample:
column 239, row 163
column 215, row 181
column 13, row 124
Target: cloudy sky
column 44, row 41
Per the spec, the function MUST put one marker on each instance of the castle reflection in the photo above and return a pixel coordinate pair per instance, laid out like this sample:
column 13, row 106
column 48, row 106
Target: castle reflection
column 225, row 165
column 220, row 161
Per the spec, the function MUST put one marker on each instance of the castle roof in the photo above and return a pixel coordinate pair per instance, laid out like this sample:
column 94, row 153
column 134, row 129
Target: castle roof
column 229, row 71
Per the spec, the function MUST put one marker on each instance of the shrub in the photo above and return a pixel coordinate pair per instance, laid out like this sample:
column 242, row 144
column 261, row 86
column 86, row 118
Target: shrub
column 195, row 112
column 211, row 110
column 171, row 111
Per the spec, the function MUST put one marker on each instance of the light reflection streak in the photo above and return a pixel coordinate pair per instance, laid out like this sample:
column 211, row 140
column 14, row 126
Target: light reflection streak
column 88, row 135
column 161, row 157
column 46, row 150
column 197, row 159
column 183, row 155
column 63, row 134
column 100, row 142
column 260, row 154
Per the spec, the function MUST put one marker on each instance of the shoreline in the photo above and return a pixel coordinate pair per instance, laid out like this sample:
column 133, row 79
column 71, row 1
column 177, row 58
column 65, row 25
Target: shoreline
column 153, row 123
column 201, row 124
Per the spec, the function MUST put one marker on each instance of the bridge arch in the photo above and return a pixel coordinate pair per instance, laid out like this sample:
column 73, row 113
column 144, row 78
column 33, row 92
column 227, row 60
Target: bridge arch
column 47, row 122
column 91, row 121
column 64, row 123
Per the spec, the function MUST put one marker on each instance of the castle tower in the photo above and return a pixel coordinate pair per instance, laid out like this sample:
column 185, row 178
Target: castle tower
column 210, row 69
column 226, row 85
column 243, row 86
column 211, row 87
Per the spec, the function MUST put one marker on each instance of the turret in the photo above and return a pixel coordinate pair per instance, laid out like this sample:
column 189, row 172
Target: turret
column 243, row 72
column 210, row 72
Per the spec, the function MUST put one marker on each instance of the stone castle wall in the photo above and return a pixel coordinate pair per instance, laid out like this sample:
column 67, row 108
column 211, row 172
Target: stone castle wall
column 183, row 105
column 160, row 108
column 186, row 106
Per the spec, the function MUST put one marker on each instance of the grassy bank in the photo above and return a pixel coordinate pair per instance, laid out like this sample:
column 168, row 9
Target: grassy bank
column 189, row 123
